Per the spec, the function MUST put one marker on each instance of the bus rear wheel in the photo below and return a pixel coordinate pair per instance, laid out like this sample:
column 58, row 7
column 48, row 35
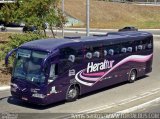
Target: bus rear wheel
column 132, row 76
column 72, row 93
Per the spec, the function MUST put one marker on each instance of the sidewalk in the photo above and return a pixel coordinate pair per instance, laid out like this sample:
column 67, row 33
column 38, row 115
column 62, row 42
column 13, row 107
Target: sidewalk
column 2, row 88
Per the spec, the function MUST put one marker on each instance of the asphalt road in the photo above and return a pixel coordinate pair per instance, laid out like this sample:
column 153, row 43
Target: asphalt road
column 154, row 108
column 118, row 96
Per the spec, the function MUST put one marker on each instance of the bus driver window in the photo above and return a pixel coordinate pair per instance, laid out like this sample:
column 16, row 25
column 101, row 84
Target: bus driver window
column 53, row 73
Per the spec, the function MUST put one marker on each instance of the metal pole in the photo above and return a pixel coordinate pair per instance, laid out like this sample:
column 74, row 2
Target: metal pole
column 155, row 1
column 63, row 16
column 87, row 17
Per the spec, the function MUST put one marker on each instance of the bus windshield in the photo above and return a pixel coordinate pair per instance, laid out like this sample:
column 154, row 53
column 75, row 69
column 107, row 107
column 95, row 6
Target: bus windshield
column 28, row 66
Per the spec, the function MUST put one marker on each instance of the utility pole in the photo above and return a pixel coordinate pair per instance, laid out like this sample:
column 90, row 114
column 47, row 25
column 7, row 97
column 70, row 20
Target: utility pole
column 155, row 1
column 63, row 16
column 87, row 17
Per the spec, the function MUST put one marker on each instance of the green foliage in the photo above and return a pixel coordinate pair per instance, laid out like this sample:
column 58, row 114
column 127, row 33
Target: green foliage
column 34, row 12
column 15, row 41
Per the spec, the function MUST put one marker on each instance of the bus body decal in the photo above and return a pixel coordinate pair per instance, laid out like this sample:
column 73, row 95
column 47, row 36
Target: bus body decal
column 80, row 81
column 93, row 67
column 86, row 78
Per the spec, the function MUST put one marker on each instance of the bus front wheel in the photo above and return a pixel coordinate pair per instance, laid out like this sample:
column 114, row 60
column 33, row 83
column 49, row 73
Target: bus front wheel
column 132, row 76
column 72, row 93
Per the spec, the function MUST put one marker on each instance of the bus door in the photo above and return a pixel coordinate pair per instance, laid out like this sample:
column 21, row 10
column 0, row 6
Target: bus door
column 56, row 84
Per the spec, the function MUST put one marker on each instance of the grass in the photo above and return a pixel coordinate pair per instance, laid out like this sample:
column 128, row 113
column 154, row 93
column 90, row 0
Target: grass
column 4, row 36
column 115, row 15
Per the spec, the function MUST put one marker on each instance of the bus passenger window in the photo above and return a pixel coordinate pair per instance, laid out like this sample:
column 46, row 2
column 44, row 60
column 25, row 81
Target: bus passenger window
column 89, row 55
column 96, row 54
column 71, row 58
column 111, row 52
column 149, row 46
column 144, row 46
column 140, row 47
column 105, row 52
column 123, row 50
column 129, row 49
column 136, row 48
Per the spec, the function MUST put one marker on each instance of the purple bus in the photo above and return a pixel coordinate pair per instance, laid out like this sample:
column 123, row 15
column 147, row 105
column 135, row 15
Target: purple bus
column 52, row 70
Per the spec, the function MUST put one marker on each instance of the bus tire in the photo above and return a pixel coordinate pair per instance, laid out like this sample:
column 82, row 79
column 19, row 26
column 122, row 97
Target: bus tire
column 132, row 76
column 72, row 93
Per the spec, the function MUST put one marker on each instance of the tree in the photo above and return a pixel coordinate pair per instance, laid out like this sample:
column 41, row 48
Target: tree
column 34, row 12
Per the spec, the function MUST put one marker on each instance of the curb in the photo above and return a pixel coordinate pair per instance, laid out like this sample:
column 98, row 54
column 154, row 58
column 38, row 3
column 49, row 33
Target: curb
column 3, row 88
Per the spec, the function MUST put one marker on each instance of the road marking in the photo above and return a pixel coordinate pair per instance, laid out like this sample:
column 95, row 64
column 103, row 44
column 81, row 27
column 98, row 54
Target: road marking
column 122, row 102
column 156, row 89
column 139, row 106
column 132, row 109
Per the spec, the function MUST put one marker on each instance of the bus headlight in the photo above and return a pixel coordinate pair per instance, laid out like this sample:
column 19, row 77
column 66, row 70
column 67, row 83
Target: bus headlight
column 38, row 95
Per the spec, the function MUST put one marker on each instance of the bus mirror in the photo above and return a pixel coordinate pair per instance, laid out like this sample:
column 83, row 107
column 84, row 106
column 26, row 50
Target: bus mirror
column 96, row 54
column 89, row 55
column 71, row 58
column 8, row 55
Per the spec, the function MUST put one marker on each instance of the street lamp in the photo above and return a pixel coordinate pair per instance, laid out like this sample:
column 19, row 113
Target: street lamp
column 87, row 17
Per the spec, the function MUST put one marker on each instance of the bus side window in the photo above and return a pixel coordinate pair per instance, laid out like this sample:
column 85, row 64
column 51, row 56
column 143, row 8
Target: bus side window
column 88, row 52
column 71, row 58
column 149, row 46
column 111, row 52
column 105, row 52
column 129, row 49
column 89, row 55
column 124, row 50
column 144, row 43
column 140, row 47
column 126, row 47
column 53, row 73
column 96, row 54
column 97, row 51
column 148, row 43
column 66, row 52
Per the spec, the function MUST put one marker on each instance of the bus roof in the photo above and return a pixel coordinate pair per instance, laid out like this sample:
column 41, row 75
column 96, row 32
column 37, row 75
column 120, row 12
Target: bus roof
column 51, row 44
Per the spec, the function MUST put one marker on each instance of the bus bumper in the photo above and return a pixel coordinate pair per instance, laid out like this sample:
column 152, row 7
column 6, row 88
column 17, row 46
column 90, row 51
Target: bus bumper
column 37, row 100
column 29, row 99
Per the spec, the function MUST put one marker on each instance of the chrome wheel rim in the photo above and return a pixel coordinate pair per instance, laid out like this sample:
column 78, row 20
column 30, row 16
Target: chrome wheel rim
column 133, row 76
column 72, row 93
